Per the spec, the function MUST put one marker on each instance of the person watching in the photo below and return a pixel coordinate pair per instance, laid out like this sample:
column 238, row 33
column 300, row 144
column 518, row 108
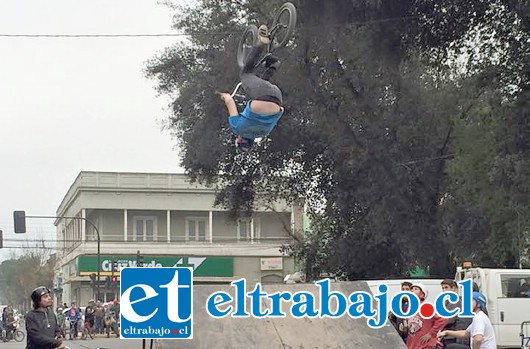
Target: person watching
column 455, row 323
column 43, row 332
column 480, row 331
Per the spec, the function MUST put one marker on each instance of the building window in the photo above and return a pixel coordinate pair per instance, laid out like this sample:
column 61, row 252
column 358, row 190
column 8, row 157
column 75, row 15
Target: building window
column 244, row 229
column 145, row 228
column 196, row 228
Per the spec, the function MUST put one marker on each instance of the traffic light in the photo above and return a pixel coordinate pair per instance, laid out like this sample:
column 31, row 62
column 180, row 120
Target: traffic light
column 113, row 282
column 1, row 239
column 108, row 281
column 19, row 218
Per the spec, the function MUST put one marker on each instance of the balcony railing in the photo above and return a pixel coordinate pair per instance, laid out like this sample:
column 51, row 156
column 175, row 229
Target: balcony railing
column 69, row 245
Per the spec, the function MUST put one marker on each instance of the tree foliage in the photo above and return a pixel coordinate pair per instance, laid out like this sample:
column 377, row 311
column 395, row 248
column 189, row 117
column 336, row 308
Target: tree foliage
column 20, row 275
column 404, row 154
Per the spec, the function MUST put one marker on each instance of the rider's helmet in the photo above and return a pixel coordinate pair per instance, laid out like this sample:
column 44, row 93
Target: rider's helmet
column 481, row 300
column 244, row 144
column 37, row 293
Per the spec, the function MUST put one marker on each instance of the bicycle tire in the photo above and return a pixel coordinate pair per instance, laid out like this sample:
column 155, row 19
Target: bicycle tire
column 248, row 40
column 19, row 336
column 287, row 29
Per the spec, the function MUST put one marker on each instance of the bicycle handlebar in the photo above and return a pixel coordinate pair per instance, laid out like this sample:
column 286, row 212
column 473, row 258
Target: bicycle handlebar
column 235, row 90
column 234, row 93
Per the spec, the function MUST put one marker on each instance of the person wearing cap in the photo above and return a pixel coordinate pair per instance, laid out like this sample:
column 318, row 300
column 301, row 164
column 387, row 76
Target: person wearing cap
column 422, row 331
column 480, row 331
column 264, row 109
column 42, row 329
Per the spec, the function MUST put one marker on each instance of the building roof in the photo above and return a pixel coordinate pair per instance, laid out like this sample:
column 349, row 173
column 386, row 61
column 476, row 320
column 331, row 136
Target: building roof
column 130, row 182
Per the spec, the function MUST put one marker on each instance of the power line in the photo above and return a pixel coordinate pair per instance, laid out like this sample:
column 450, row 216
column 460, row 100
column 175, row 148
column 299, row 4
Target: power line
column 139, row 35
column 33, row 247
column 89, row 35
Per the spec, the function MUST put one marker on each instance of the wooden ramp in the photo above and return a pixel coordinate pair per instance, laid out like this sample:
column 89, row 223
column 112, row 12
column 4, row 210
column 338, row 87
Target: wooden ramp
column 288, row 332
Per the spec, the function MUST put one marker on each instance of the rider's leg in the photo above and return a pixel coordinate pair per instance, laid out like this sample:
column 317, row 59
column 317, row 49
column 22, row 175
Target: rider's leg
column 256, row 87
column 270, row 69
column 252, row 59
column 253, row 82
column 257, row 51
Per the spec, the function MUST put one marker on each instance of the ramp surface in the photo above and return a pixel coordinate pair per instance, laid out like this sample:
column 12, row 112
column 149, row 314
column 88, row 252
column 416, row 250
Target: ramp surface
column 287, row 332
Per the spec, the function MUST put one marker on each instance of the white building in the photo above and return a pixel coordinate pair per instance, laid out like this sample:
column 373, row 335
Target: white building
column 171, row 222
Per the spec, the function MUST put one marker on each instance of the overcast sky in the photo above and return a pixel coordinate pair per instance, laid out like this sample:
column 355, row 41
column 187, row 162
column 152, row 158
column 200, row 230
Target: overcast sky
column 76, row 104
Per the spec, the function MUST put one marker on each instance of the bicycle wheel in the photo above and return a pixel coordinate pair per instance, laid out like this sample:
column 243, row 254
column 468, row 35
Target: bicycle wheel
column 283, row 25
column 248, row 40
column 19, row 336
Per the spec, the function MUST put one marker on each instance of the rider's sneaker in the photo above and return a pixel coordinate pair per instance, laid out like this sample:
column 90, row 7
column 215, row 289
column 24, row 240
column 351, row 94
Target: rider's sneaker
column 270, row 59
column 263, row 34
column 275, row 65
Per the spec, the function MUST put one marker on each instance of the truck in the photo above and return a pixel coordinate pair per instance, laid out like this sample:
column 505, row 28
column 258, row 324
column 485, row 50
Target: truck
column 508, row 300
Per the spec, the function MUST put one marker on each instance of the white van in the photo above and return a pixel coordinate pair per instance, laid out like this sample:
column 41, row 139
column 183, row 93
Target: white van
column 508, row 295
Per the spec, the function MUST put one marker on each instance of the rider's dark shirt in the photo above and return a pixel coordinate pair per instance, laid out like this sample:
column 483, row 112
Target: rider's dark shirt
column 42, row 330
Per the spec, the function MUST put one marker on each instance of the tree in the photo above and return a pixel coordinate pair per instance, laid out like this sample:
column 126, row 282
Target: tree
column 490, row 174
column 20, row 275
column 372, row 104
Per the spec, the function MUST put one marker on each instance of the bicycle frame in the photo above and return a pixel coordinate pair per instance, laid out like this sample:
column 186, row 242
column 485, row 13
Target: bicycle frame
column 272, row 35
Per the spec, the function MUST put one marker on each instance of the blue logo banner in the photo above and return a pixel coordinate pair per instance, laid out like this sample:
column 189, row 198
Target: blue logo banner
column 156, row 303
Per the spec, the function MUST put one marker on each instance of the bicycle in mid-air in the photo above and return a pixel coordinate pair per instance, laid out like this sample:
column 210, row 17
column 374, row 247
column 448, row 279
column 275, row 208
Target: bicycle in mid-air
column 280, row 32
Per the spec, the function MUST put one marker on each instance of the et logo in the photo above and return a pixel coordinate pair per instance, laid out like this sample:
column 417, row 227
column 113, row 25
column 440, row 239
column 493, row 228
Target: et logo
column 156, row 303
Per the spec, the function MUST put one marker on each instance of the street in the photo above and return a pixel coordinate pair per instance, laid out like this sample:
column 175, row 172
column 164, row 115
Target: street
column 101, row 343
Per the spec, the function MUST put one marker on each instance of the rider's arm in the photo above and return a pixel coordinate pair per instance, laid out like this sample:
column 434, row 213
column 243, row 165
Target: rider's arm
column 230, row 104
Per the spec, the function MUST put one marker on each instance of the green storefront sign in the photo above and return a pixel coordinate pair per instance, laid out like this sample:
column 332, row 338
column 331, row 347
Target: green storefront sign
column 202, row 266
